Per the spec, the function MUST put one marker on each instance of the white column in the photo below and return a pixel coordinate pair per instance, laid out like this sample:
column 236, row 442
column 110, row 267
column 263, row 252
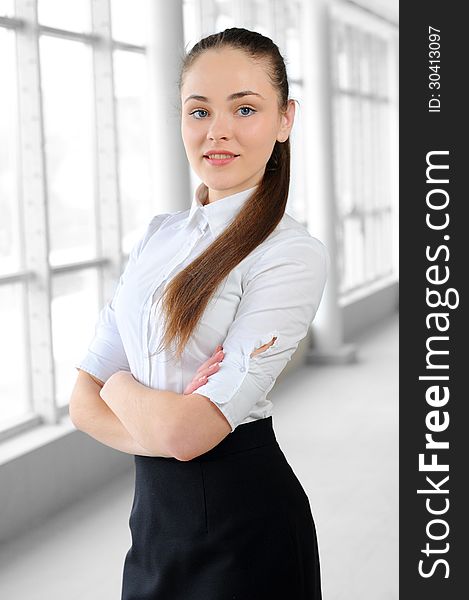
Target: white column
column 108, row 193
column 321, row 208
column 33, row 191
column 170, row 167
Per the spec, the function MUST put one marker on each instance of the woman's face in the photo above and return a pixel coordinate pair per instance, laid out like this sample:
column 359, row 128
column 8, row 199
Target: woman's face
column 246, row 126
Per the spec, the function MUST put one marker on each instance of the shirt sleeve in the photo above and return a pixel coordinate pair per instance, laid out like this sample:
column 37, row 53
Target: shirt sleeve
column 106, row 354
column 281, row 295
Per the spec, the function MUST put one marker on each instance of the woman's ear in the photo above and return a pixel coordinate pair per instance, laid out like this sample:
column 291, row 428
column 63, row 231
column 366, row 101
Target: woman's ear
column 287, row 120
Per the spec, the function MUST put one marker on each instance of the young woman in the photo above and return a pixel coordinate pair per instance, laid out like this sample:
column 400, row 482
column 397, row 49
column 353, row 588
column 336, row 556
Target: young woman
column 218, row 513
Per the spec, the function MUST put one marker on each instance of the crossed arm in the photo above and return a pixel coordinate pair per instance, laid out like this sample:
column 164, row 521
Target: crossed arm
column 91, row 415
column 130, row 417
column 165, row 422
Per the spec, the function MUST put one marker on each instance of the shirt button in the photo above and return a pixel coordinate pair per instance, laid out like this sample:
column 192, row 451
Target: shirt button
column 242, row 369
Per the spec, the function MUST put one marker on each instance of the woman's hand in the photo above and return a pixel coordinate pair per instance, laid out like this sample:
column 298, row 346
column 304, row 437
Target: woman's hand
column 209, row 367
column 119, row 385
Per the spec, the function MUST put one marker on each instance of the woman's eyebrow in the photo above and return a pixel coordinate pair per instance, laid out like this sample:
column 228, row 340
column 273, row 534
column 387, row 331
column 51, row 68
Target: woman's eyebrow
column 234, row 96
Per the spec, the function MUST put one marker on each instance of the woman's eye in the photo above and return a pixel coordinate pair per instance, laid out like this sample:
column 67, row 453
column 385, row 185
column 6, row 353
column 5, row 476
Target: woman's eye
column 248, row 108
column 202, row 110
column 199, row 110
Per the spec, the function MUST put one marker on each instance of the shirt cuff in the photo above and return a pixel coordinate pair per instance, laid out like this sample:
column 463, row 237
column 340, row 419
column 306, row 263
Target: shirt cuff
column 98, row 366
column 241, row 380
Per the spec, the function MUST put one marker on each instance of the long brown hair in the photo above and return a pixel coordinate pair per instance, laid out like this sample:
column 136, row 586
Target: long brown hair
column 188, row 293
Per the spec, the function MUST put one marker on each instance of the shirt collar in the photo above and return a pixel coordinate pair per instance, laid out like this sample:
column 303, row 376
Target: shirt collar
column 219, row 213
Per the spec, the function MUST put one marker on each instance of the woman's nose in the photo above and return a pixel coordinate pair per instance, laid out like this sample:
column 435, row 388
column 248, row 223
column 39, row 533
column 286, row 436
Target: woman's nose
column 220, row 127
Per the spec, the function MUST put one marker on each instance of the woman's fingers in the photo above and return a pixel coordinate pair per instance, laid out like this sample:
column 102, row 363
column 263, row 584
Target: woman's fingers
column 210, row 366
column 201, row 379
column 216, row 357
column 213, row 368
column 191, row 387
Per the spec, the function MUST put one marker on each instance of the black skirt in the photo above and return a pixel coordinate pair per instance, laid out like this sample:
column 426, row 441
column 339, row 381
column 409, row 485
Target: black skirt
column 232, row 524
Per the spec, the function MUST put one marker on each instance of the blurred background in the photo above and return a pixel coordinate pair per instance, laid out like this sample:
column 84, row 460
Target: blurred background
column 90, row 150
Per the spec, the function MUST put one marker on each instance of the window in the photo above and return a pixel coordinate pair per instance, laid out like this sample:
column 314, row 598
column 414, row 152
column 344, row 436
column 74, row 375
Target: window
column 74, row 186
column 364, row 111
column 10, row 255
column 68, row 113
column 13, row 278
column 130, row 91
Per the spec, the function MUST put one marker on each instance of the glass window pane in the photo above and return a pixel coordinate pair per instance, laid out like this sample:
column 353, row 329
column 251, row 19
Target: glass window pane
column 130, row 21
column 66, row 68
column 364, row 58
column 294, row 54
column 7, row 8
column 14, row 381
column 342, row 58
column 226, row 13
column 343, row 151
column 297, row 197
column 260, row 17
column 9, row 205
column 337, row 53
column 72, row 16
column 190, row 22
column 362, row 156
column 75, row 307
column 131, row 85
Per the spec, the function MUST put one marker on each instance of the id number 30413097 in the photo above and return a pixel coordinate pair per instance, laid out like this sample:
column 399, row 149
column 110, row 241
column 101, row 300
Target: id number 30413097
column 434, row 84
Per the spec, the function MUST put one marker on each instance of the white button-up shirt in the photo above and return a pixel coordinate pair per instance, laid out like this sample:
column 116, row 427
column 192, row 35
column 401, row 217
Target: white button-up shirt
column 273, row 292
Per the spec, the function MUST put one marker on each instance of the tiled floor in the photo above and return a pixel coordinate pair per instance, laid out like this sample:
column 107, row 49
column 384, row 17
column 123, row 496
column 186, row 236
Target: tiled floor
column 338, row 428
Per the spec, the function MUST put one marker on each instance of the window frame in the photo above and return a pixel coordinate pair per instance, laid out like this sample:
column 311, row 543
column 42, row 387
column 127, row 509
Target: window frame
column 37, row 272
column 363, row 22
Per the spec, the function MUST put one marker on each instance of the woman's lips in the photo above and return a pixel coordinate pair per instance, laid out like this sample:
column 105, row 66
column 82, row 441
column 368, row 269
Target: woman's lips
column 218, row 162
